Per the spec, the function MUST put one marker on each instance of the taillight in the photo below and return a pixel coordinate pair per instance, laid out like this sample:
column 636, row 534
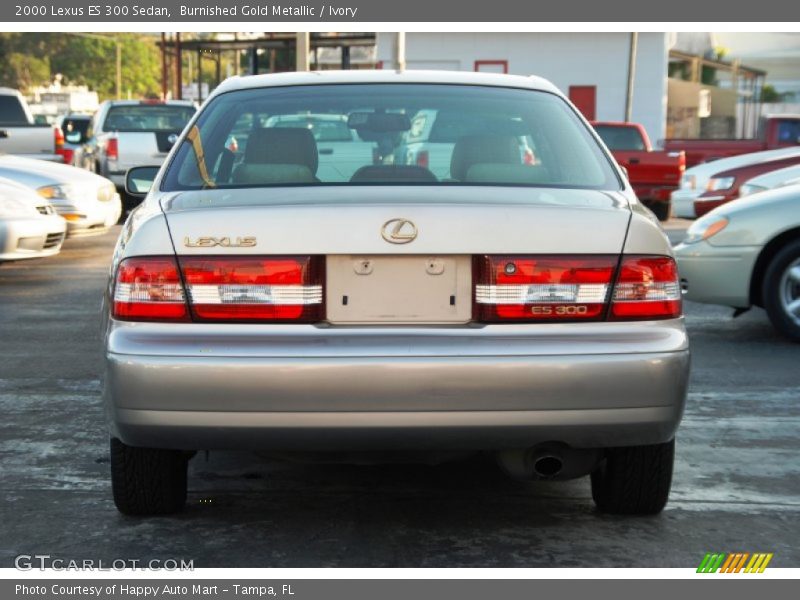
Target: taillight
column 112, row 149
column 149, row 289
column 58, row 142
column 275, row 288
column 423, row 159
column 647, row 288
column 542, row 288
column 575, row 288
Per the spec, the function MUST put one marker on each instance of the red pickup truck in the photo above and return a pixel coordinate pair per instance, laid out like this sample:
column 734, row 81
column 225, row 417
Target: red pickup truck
column 653, row 174
column 777, row 131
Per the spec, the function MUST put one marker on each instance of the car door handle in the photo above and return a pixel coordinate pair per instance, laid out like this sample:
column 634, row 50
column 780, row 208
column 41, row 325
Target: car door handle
column 634, row 161
column 4, row 134
column 326, row 150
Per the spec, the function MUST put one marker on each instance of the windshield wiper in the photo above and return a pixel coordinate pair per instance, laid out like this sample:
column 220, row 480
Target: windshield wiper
column 200, row 157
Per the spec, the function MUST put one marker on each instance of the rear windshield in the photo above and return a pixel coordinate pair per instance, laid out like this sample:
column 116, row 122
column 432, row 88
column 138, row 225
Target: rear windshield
column 74, row 128
column 402, row 134
column 147, row 117
column 620, row 138
column 789, row 132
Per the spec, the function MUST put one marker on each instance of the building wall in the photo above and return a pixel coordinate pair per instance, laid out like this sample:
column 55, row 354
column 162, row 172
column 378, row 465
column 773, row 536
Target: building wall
column 599, row 59
column 684, row 117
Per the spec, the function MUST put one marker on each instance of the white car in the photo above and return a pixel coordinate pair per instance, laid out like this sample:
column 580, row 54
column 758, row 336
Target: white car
column 771, row 180
column 747, row 253
column 88, row 202
column 696, row 181
column 131, row 133
column 29, row 227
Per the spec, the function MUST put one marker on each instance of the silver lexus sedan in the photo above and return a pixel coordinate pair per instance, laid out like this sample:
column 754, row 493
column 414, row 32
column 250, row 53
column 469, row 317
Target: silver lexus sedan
column 530, row 308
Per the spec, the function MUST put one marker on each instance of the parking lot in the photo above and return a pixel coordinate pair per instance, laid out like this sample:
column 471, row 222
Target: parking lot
column 736, row 485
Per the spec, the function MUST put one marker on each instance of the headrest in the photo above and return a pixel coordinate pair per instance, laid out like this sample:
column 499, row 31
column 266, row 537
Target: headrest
column 271, row 174
column 393, row 174
column 476, row 149
column 292, row 146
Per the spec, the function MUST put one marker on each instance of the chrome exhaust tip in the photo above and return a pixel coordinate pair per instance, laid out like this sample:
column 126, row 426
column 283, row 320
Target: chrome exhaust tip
column 547, row 465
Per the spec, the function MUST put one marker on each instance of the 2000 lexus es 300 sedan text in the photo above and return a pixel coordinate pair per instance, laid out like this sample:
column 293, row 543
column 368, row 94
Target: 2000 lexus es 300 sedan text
column 524, row 302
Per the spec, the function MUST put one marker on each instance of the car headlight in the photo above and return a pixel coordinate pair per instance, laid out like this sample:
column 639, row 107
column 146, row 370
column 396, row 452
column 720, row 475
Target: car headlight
column 703, row 229
column 56, row 192
column 11, row 207
column 689, row 182
column 716, row 184
column 106, row 193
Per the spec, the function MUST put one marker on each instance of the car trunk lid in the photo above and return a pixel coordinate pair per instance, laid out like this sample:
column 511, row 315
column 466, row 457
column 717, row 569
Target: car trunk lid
column 349, row 220
column 393, row 255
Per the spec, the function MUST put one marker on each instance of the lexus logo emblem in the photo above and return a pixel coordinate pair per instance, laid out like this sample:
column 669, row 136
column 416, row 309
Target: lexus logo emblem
column 173, row 137
column 399, row 231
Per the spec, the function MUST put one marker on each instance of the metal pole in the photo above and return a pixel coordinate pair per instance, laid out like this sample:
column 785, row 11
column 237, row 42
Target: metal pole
column 302, row 51
column 400, row 50
column 119, row 69
column 631, row 75
column 178, row 67
column 163, row 66
column 345, row 57
column 199, row 75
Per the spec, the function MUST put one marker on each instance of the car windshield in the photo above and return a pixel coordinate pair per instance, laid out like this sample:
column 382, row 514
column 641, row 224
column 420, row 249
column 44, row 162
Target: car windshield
column 620, row 138
column 426, row 134
column 147, row 117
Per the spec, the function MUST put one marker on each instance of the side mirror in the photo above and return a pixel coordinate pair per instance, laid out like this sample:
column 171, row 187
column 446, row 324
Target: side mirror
column 139, row 180
column 624, row 171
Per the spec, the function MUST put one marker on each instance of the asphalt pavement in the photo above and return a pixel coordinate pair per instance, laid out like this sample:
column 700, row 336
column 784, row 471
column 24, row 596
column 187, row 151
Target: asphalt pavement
column 736, row 485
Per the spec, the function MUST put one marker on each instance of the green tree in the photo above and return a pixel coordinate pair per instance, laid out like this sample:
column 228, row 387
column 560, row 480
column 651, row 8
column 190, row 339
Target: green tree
column 29, row 59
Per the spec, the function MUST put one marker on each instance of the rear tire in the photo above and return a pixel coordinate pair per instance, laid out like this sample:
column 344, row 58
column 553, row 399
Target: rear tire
column 634, row 480
column 147, row 481
column 661, row 210
column 781, row 291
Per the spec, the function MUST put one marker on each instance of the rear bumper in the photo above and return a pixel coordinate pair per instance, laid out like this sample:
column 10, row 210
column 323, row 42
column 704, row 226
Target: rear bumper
column 303, row 387
column 407, row 430
column 650, row 194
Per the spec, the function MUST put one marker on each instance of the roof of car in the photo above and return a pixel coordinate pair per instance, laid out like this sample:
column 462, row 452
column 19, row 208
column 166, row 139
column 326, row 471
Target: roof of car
column 149, row 102
column 385, row 76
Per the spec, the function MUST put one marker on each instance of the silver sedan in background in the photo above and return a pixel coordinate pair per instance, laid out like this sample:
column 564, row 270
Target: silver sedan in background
column 88, row 202
column 29, row 227
column 747, row 253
